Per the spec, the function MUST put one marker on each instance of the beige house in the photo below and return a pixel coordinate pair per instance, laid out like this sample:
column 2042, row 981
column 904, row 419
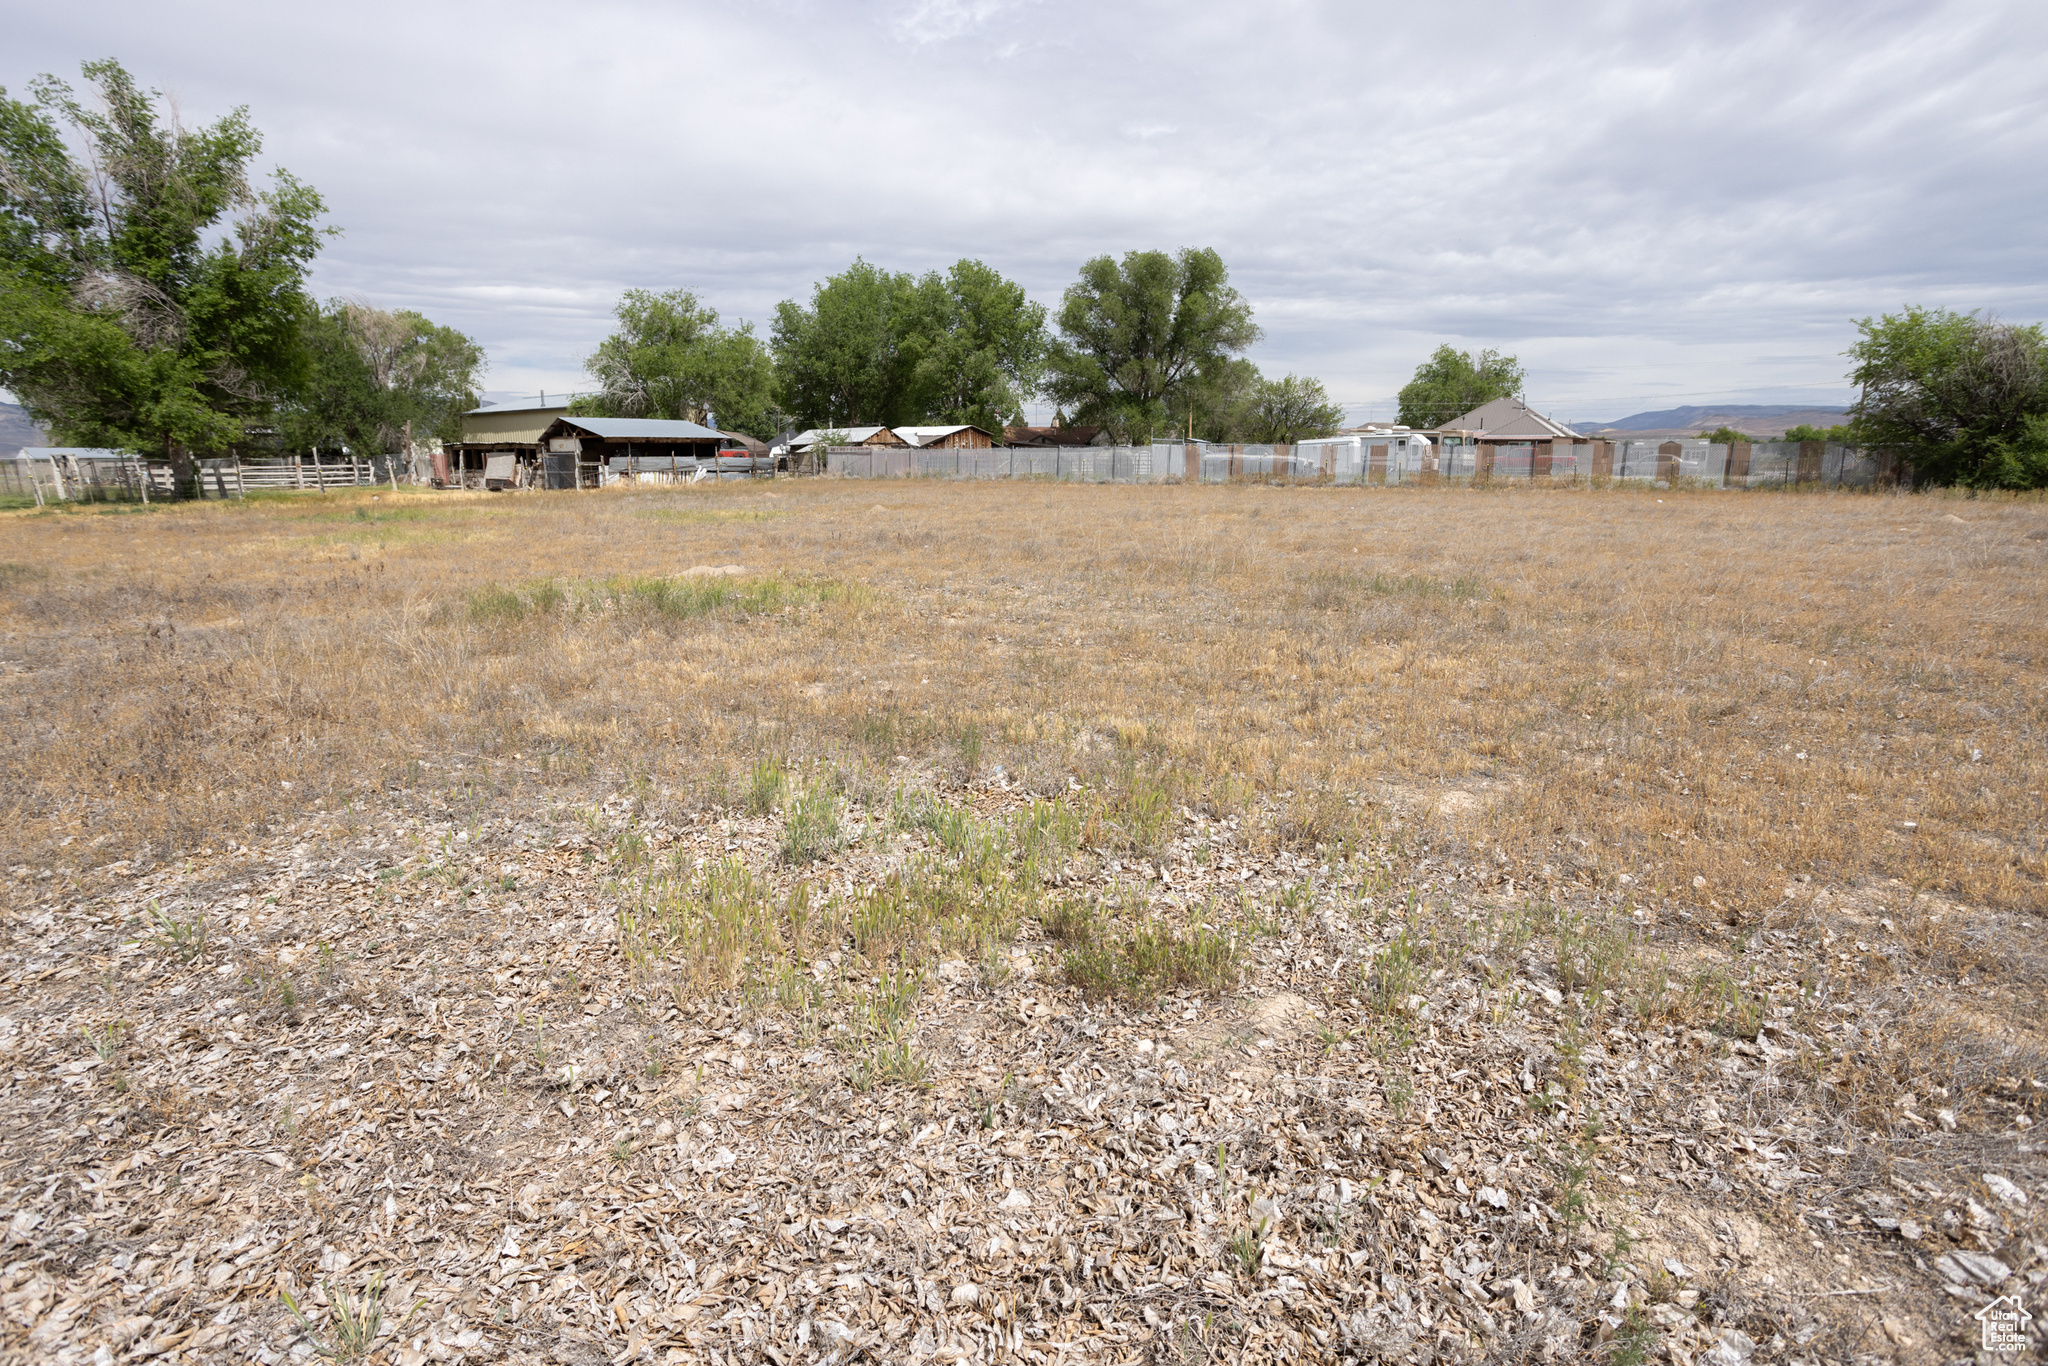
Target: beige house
column 1508, row 420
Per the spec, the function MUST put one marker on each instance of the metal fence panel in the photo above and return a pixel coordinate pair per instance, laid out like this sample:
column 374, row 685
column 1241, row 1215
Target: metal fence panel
column 1084, row 464
column 1389, row 461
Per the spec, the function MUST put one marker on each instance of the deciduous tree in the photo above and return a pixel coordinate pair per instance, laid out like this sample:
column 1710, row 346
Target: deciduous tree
column 841, row 361
column 975, row 346
column 1453, row 382
column 1962, row 396
column 1234, row 402
column 1138, row 339
column 1292, row 408
column 370, row 372
column 1841, row 433
column 151, row 297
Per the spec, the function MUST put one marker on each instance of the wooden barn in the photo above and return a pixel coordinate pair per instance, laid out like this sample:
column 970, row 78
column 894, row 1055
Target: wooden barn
column 509, row 433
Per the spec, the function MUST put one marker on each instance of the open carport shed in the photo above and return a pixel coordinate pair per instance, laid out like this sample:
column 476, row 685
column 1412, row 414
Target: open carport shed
column 585, row 452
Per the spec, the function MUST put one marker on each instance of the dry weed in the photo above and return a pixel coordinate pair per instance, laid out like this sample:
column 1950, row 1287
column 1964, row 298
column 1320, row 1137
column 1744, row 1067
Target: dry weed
column 1213, row 923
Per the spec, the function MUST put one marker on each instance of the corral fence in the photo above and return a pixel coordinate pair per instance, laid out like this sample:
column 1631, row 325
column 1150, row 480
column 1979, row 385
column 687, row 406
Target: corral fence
column 232, row 478
column 1381, row 460
column 70, row 478
column 683, row 469
column 113, row 477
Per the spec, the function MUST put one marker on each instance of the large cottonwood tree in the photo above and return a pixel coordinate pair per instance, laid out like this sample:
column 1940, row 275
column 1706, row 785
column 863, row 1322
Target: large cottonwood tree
column 151, row 295
column 884, row 348
column 974, row 344
column 840, row 361
column 1452, row 383
column 1142, row 338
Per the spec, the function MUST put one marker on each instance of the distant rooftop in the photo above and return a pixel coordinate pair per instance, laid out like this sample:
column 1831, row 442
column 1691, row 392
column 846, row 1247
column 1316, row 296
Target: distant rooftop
column 923, row 436
column 526, row 405
column 852, row 436
column 1507, row 418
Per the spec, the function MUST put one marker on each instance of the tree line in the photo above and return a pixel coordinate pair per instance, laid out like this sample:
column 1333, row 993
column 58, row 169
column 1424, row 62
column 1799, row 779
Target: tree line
column 153, row 298
column 1147, row 345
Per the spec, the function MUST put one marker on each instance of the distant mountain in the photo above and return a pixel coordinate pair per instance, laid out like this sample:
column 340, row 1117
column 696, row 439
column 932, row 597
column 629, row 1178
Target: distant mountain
column 17, row 431
column 1756, row 419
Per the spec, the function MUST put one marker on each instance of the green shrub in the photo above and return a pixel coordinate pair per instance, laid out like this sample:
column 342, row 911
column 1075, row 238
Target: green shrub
column 764, row 786
column 811, row 828
column 496, row 605
column 1153, row 958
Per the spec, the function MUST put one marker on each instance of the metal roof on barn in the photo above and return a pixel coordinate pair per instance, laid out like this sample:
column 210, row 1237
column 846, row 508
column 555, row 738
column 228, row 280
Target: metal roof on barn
column 640, row 429
column 524, row 405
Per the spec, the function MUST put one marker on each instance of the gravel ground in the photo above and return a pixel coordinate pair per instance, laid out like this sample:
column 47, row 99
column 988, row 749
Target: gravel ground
column 411, row 1082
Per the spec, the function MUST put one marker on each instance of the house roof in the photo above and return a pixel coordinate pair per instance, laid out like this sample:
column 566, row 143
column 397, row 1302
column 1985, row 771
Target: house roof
column 85, row 452
column 917, row 436
column 1509, row 417
column 523, row 405
column 922, row 436
column 1382, row 437
column 639, row 429
column 854, row 435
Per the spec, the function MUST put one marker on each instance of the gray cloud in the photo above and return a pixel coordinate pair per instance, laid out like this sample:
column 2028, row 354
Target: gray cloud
column 1649, row 203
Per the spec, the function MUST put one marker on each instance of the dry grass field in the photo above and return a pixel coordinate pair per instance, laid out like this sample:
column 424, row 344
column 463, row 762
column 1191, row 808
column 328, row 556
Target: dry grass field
column 818, row 921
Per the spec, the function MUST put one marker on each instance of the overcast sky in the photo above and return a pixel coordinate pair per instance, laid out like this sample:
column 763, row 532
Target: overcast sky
column 1649, row 203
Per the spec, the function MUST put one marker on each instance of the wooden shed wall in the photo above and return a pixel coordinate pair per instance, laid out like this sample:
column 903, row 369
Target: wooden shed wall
column 971, row 439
